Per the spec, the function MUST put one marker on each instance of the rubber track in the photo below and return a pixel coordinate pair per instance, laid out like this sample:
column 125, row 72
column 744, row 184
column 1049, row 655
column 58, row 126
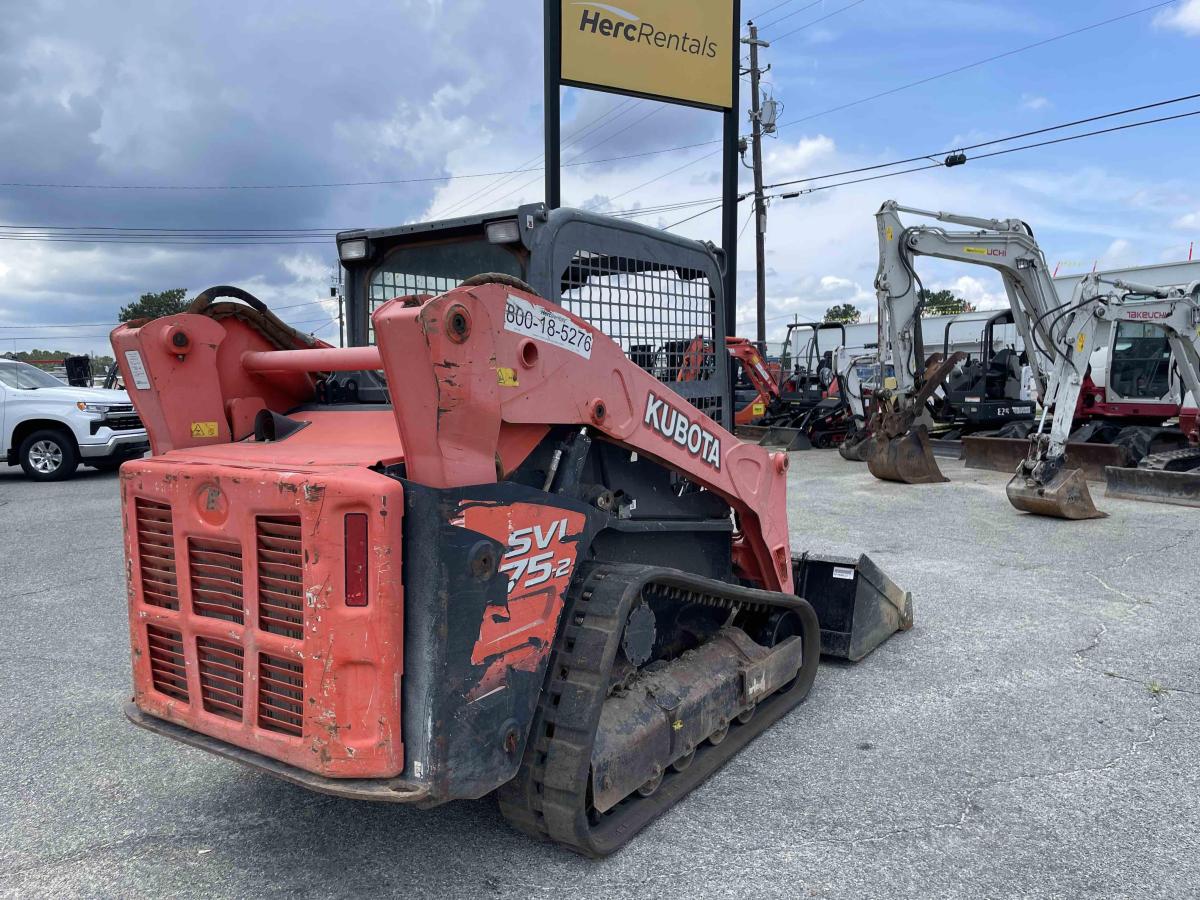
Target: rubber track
column 1161, row 461
column 548, row 798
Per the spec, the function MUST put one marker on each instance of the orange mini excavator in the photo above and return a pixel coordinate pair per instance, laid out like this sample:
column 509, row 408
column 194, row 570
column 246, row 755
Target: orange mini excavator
column 488, row 551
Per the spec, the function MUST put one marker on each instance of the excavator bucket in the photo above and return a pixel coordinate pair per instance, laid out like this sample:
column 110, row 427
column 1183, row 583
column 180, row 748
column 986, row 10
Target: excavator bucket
column 908, row 458
column 1065, row 496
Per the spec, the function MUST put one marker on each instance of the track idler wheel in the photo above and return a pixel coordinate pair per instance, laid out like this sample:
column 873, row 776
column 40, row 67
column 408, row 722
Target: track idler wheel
column 1065, row 496
column 908, row 458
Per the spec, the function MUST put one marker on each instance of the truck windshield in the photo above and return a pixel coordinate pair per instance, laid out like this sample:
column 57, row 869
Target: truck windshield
column 24, row 377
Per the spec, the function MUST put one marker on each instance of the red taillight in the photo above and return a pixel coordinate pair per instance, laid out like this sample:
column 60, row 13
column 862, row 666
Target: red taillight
column 356, row 559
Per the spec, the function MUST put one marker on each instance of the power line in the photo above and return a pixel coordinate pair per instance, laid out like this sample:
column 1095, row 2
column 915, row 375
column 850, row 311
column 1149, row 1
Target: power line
column 938, row 165
column 934, row 165
column 993, row 142
column 775, row 7
column 522, row 170
column 696, row 216
column 795, row 12
column 836, row 12
column 537, row 160
column 955, row 71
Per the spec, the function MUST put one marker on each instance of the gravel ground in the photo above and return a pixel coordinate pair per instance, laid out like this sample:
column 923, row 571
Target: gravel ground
column 1035, row 735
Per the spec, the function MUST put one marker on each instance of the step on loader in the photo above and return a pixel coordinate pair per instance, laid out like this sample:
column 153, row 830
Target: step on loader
column 494, row 548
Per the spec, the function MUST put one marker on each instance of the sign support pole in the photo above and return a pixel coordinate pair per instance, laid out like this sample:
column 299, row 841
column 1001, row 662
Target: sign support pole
column 552, row 54
column 730, row 172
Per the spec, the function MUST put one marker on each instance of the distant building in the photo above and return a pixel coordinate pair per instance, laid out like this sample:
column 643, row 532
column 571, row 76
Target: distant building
column 966, row 330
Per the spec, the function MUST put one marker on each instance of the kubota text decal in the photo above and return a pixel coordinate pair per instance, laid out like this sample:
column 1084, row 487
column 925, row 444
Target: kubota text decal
column 678, row 427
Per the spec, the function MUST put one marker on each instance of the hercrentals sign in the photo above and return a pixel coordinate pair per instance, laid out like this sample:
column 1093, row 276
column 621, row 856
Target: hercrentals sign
column 679, row 50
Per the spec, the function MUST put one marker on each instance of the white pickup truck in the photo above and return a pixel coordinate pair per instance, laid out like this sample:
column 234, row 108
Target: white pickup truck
column 48, row 428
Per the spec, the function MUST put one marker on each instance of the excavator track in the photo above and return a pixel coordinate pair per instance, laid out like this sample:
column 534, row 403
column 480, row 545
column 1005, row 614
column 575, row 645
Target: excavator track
column 551, row 796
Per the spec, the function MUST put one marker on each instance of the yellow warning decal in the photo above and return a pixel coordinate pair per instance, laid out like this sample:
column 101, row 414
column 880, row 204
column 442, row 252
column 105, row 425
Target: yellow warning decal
column 759, row 409
column 889, row 232
column 978, row 251
column 506, row 377
column 1079, row 342
column 204, row 429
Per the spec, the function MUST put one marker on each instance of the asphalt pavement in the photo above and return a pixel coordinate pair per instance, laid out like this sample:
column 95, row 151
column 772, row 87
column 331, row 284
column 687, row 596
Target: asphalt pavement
column 1036, row 735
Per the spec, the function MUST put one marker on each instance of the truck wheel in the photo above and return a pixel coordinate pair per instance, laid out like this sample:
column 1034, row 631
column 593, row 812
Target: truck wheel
column 48, row 456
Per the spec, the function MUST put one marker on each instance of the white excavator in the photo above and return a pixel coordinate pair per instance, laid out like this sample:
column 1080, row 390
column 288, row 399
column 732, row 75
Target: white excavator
column 896, row 445
column 895, row 442
column 1046, row 483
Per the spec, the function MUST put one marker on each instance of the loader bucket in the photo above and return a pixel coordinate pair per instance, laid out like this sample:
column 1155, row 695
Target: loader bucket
column 786, row 438
column 1065, row 496
column 858, row 606
column 908, row 458
column 1154, row 485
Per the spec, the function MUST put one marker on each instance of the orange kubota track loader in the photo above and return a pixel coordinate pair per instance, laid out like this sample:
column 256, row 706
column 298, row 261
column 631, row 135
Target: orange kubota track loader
column 492, row 552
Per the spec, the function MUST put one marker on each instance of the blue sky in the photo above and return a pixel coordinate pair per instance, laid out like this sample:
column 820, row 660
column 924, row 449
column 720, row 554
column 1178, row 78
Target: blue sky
column 227, row 93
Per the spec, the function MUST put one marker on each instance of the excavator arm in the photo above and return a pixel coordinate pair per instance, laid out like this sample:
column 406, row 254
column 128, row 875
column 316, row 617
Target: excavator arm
column 899, row 448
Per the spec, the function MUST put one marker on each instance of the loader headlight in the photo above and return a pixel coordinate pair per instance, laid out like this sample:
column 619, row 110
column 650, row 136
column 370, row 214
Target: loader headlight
column 349, row 251
column 506, row 232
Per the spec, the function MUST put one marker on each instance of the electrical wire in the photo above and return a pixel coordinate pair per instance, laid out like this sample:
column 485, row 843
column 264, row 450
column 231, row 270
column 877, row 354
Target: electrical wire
column 773, row 8
column 696, row 216
column 836, row 12
column 977, row 63
column 991, row 143
column 794, row 12
column 746, row 224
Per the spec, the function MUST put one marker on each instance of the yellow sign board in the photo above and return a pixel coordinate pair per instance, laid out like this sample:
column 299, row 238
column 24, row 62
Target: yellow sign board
column 204, row 429
column 680, row 51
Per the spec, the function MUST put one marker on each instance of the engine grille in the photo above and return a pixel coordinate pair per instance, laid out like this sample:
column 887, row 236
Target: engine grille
column 216, row 570
column 222, row 668
column 280, row 576
column 168, row 672
column 280, row 695
column 248, row 663
column 156, row 554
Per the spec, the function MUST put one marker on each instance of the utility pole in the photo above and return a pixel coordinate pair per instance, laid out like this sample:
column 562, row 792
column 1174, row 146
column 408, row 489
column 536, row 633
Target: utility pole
column 335, row 293
column 760, row 204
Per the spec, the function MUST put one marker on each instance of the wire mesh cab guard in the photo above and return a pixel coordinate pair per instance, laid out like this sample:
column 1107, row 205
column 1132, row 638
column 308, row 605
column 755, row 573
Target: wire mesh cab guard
column 652, row 292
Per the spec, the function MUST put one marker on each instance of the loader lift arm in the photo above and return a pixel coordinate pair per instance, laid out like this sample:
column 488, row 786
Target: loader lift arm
column 1042, row 483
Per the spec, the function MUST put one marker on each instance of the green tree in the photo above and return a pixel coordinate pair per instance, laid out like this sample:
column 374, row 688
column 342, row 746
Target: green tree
column 154, row 305
column 943, row 303
column 846, row 313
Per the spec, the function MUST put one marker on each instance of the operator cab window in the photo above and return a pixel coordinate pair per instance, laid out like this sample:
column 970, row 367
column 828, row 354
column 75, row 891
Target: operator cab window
column 435, row 268
column 1141, row 361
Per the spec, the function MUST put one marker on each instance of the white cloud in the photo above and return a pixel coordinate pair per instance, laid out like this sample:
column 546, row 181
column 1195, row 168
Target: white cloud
column 1187, row 222
column 1035, row 102
column 1185, row 17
